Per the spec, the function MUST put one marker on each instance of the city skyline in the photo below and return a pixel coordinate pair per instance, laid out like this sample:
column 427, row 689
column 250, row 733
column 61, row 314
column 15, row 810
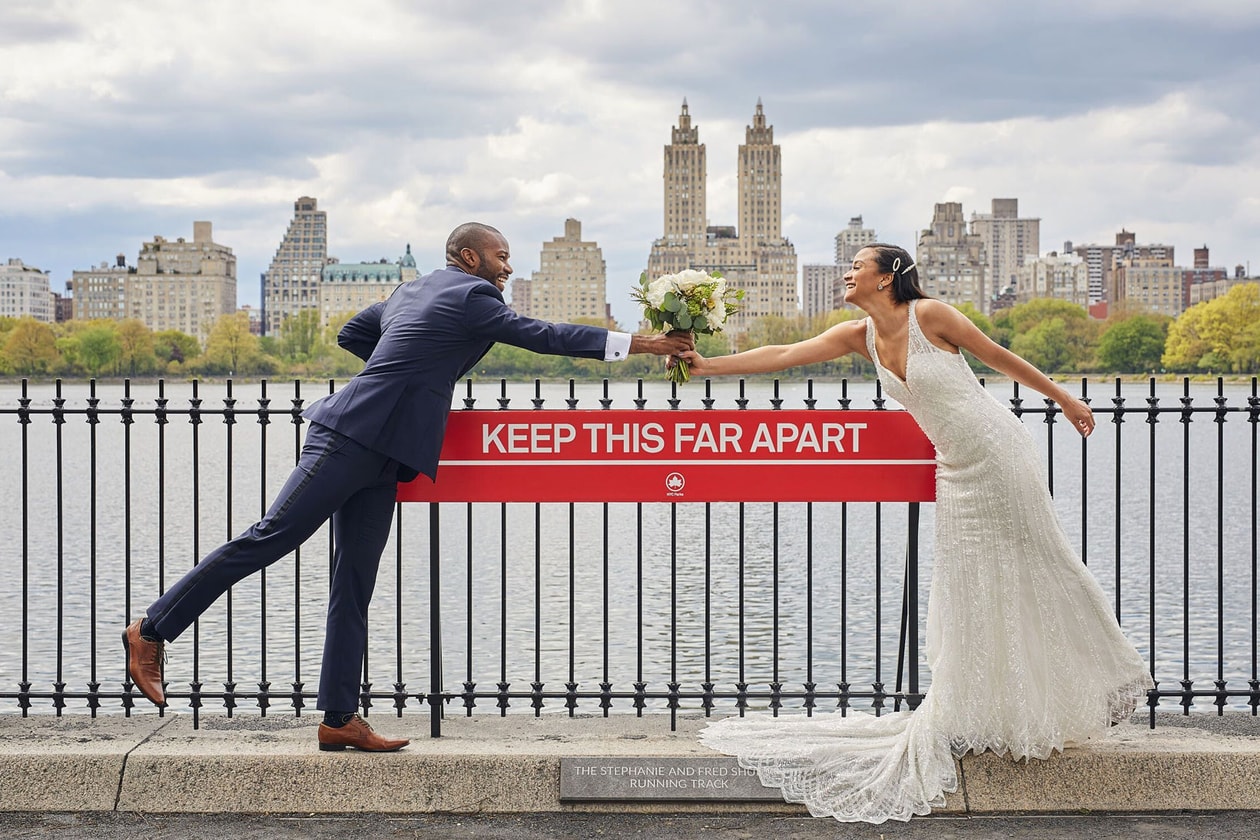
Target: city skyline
column 121, row 126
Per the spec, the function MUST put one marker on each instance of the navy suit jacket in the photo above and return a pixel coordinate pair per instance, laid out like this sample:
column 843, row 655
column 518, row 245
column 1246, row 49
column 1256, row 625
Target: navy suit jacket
column 418, row 344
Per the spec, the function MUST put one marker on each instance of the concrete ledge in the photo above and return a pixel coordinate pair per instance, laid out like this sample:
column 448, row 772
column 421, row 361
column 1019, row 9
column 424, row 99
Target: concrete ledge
column 68, row 764
column 489, row 764
column 1134, row 769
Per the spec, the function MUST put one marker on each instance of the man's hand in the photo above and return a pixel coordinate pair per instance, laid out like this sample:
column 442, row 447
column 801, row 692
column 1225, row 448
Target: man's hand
column 663, row 344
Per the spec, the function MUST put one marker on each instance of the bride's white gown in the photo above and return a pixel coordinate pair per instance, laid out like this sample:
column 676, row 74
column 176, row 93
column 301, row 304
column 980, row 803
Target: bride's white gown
column 1026, row 656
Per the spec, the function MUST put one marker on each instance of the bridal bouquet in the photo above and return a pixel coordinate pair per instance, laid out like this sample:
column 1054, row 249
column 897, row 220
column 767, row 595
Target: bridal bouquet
column 689, row 300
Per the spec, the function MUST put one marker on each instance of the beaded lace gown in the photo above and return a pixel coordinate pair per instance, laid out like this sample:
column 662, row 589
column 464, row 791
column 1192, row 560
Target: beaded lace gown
column 1025, row 653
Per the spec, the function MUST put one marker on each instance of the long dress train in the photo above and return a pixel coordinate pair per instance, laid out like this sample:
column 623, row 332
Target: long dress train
column 1025, row 653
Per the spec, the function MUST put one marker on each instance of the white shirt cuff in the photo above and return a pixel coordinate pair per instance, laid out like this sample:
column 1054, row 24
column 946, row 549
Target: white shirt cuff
column 617, row 347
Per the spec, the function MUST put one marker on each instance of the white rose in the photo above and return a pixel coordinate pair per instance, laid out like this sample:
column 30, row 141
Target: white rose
column 689, row 279
column 717, row 315
column 656, row 291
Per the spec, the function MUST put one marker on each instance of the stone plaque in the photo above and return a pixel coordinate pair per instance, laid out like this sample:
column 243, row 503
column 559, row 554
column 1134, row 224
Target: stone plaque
column 698, row 778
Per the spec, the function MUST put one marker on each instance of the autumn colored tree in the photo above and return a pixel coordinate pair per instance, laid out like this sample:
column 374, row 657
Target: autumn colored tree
column 29, row 348
column 135, row 348
column 1217, row 334
column 232, row 349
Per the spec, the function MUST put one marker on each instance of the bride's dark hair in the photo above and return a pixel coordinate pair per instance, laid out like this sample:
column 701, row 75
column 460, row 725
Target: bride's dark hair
column 895, row 260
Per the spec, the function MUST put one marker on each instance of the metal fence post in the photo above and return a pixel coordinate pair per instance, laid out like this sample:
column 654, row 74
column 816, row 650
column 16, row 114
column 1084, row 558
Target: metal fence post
column 435, row 622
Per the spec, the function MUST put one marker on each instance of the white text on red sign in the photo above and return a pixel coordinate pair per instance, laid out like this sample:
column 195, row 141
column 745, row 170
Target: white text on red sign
column 687, row 438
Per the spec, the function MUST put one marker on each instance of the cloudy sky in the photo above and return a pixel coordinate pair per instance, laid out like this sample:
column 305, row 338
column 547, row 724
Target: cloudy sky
column 125, row 119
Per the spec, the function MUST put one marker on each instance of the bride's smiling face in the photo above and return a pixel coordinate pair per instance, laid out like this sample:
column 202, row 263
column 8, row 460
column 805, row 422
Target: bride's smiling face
column 862, row 279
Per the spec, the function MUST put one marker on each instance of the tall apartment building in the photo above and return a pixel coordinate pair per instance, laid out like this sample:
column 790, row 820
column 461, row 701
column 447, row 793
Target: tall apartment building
column 755, row 256
column 25, row 292
column 101, row 292
column 851, row 240
column 522, row 301
column 1152, row 283
column 1007, row 240
column 352, row 287
column 1103, row 259
column 818, row 288
column 291, row 283
column 1062, row 276
column 182, row 285
column 952, row 262
column 570, row 282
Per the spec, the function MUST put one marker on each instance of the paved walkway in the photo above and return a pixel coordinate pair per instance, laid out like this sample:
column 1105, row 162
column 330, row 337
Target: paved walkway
column 77, row 769
column 1233, row 825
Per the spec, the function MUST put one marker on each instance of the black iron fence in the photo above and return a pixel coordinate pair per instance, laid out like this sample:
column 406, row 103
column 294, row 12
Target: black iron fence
column 114, row 489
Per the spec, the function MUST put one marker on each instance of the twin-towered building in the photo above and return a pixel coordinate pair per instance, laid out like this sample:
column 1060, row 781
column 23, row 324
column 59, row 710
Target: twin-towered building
column 753, row 255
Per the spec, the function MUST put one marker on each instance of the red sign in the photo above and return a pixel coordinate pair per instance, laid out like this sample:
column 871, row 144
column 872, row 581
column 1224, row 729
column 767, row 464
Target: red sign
column 680, row 456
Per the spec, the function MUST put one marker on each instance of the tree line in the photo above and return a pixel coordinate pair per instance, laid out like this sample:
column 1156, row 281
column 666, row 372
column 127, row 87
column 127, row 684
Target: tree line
column 1217, row 336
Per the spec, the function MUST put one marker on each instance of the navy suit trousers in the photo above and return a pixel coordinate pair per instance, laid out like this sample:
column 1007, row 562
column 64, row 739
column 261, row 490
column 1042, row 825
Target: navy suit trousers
column 335, row 478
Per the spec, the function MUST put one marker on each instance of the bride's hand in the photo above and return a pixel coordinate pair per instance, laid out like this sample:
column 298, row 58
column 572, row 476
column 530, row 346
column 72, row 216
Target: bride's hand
column 694, row 361
column 1079, row 415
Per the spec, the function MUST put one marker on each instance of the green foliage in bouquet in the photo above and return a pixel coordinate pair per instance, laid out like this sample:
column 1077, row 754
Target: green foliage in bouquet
column 690, row 300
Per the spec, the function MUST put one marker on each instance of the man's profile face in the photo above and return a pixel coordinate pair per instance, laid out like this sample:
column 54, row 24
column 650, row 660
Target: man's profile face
column 492, row 257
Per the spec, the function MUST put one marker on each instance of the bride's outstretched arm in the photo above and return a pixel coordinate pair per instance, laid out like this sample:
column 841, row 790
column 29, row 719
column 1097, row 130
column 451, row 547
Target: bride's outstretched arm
column 957, row 329
column 849, row 337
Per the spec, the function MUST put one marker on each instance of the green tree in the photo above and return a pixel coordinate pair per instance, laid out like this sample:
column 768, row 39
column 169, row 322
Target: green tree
column 1077, row 331
column 30, row 348
column 1132, row 345
column 773, row 329
column 232, row 349
column 1185, row 347
column 175, row 346
column 301, row 338
column 1216, row 334
column 713, row 344
column 506, row 360
column 99, row 348
column 135, row 348
column 1245, row 353
column 1022, row 317
column 1045, row 345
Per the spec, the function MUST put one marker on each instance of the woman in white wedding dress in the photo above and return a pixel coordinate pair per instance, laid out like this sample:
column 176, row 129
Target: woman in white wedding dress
column 1026, row 656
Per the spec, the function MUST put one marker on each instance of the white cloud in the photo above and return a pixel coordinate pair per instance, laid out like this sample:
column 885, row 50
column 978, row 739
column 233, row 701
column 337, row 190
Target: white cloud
column 120, row 120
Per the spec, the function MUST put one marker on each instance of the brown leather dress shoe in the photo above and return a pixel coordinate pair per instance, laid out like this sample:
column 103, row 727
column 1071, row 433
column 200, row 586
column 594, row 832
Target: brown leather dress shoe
column 357, row 735
column 144, row 663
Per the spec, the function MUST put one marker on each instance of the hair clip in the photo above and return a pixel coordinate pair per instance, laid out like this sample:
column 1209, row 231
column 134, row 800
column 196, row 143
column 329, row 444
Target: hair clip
column 907, row 268
column 896, row 264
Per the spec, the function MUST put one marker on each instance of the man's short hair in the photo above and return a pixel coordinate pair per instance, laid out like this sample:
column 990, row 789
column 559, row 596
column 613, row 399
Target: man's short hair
column 472, row 235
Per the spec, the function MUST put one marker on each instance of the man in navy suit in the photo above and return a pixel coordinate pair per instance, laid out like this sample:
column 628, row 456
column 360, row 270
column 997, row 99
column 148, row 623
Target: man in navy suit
column 385, row 426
